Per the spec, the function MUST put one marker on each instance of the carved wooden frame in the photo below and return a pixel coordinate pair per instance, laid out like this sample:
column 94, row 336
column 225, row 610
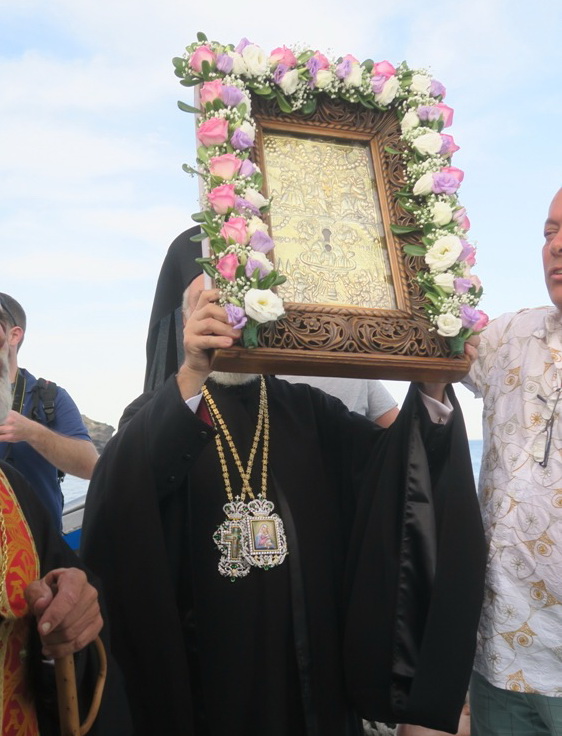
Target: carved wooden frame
column 352, row 341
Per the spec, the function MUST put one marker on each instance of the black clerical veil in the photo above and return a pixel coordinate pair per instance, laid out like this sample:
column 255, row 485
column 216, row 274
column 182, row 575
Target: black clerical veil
column 164, row 345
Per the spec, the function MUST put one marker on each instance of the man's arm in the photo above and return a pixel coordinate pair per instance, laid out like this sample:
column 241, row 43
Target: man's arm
column 75, row 456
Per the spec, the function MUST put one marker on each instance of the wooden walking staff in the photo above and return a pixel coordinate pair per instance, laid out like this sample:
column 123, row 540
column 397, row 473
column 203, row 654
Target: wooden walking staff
column 67, row 695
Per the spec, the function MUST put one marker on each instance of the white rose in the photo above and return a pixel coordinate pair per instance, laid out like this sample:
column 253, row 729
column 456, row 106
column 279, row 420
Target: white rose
column 249, row 129
column 255, row 224
column 388, row 92
column 409, row 121
column 256, row 255
column 445, row 281
column 424, row 185
column 239, row 67
column 420, row 84
column 428, row 143
column 290, row 81
column 443, row 253
column 323, row 78
column 263, row 305
column 441, row 213
column 256, row 60
column 448, row 325
column 255, row 198
column 355, row 76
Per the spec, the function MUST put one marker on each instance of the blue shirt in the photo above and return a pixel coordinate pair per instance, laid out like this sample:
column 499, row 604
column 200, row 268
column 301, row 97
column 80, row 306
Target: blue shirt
column 43, row 476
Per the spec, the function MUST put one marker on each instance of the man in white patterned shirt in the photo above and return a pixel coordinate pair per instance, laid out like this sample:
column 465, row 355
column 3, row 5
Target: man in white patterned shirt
column 517, row 684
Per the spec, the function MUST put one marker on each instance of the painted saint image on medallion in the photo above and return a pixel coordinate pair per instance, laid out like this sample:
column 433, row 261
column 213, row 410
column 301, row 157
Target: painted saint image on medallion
column 326, row 222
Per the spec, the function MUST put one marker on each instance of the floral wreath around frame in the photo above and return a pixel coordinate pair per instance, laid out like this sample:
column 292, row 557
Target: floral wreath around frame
column 231, row 220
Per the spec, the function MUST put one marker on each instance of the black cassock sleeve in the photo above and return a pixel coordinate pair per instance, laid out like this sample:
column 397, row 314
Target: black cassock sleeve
column 415, row 575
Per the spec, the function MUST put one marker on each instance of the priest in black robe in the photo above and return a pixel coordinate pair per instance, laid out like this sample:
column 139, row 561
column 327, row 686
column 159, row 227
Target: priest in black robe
column 372, row 612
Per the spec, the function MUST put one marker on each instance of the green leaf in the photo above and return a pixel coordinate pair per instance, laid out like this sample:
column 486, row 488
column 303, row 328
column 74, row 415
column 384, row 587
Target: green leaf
column 209, row 269
column 394, row 151
column 190, row 170
column 303, row 57
column 258, row 179
column 310, row 106
column 201, row 37
column 203, row 154
column 268, row 280
column 188, row 108
column 208, row 216
column 198, row 217
column 250, row 334
column 198, row 238
column 413, row 250
column 242, row 109
column 279, row 280
column 282, row 101
column 404, row 229
column 240, row 272
column 368, row 64
column 433, row 298
column 263, row 91
column 205, row 69
column 218, row 105
column 189, row 82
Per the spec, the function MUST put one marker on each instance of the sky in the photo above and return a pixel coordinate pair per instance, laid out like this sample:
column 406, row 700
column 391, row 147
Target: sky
column 92, row 142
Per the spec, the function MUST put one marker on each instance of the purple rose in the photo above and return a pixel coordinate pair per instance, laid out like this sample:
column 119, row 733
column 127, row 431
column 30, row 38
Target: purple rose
column 241, row 140
column 280, row 72
column 253, row 264
column 448, row 145
column 247, row 168
column 313, row 65
column 378, row 82
column 428, row 112
column 225, row 63
column 436, row 89
column 261, row 241
column 236, row 316
column 462, row 285
column 468, row 253
column 242, row 45
column 469, row 316
column 343, row 69
column 243, row 206
column 444, row 183
column 231, row 95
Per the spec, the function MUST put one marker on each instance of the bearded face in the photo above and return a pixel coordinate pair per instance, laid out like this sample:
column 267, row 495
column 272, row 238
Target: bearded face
column 5, row 387
column 232, row 379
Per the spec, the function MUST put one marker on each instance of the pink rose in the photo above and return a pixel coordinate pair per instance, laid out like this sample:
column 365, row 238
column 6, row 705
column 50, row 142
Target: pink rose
column 323, row 62
column 350, row 57
column 235, row 230
column 383, row 69
column 448, row 145
column 461, row 218
column 225, row 166
column 476, row 282
column 210, row 91
column 282, row 55
column 201, row 54
column 227, row 266
column 446, row 112
column 453, row 171
column 213, row 132
column 221, row 198
column 482, row 321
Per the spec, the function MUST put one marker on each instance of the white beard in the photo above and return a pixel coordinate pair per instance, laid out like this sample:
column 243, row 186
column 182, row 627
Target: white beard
column 232, row 379
column 5, row 389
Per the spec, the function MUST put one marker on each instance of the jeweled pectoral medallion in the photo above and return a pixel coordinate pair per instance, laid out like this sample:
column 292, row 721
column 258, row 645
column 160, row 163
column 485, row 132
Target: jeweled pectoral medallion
column 265, row 543
column 229, row 538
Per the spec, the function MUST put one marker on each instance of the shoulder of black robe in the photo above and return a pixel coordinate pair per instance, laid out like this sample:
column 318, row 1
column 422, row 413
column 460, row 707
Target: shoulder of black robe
column 164, row 347
column 415, row 579
column 113, row 717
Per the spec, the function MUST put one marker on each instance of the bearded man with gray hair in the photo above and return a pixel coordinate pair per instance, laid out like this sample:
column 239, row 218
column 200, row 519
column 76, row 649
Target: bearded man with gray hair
column 296, row 566
column 48, row 609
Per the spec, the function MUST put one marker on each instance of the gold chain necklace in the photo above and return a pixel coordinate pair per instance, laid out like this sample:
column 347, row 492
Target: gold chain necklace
column 252, row 535
column 262, row 426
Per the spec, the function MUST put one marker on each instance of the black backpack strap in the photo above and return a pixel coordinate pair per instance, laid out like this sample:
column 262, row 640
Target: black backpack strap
column 44, row 393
